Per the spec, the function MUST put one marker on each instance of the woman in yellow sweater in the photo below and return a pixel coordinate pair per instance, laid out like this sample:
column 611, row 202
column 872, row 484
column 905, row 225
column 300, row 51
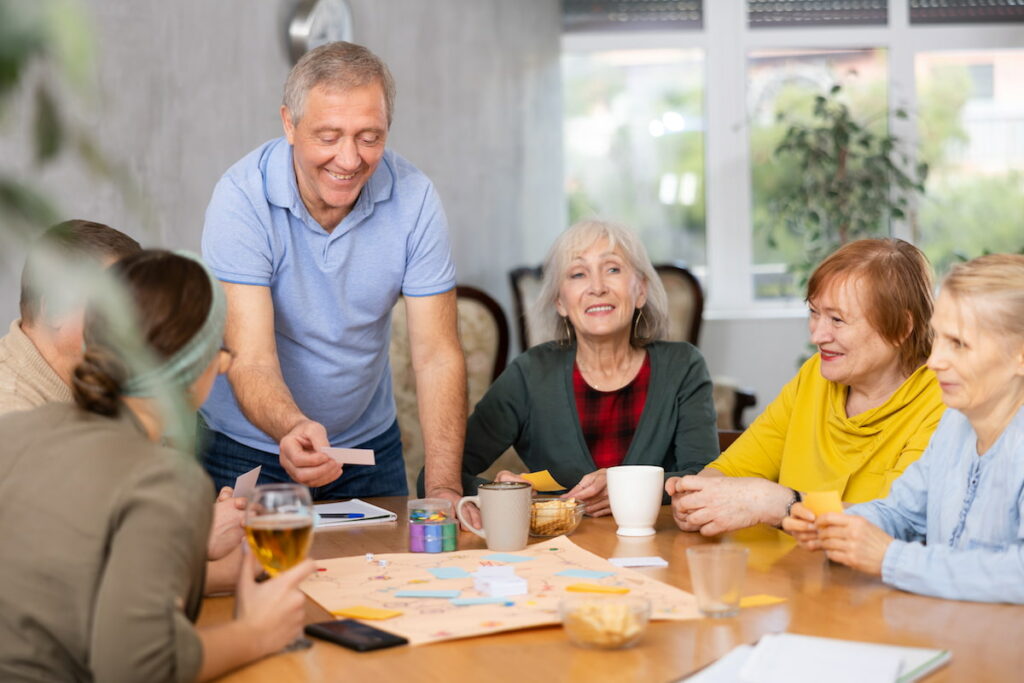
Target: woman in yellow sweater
column 856, row 414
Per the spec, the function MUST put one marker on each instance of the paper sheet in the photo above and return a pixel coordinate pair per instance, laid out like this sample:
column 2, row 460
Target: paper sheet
column 638, row 561
column 542, row 481
column 354, row 581
column 760, row 600
column 245, row 483
column 351, row 456
column 363, row 612
column 820, row 502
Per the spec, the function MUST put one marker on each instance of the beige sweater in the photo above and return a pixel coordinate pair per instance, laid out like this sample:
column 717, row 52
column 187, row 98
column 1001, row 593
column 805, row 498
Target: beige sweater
column 104, row 550
column 26, row 380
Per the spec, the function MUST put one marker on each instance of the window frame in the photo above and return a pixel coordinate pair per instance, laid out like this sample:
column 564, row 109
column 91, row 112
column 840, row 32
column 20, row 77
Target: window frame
column 726, row 40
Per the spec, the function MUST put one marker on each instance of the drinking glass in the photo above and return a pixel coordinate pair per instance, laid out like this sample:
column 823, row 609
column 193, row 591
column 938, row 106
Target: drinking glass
column 279, row 527
column 717, row 574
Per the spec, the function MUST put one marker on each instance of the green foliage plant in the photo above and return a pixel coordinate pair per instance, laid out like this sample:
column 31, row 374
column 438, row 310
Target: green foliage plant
column 852, row 180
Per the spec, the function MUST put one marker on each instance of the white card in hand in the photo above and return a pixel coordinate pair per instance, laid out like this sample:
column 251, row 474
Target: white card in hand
column 351, row 456
column 246, row 482
column 638, row 561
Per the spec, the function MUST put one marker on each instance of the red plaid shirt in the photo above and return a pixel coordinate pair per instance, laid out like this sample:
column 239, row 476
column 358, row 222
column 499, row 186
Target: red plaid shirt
column 609, row 418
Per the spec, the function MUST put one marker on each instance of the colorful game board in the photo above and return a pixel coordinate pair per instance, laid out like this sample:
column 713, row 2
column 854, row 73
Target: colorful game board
column 550, row 569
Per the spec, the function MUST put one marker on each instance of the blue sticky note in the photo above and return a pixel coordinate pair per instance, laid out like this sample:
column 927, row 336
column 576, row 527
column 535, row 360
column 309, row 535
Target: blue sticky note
column 506, row 557
column 583, row 573
column 449, row 573
column 463, row 602
column 428, row 594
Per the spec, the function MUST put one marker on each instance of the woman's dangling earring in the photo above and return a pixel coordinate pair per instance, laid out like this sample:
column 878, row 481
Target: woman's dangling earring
column 636, row 325
column 568, row 330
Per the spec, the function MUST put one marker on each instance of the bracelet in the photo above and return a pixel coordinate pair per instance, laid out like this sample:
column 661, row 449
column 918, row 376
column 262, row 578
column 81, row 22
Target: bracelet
column 797, row 498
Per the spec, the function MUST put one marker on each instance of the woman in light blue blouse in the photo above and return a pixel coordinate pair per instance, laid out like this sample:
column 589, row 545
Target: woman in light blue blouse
column 953, row 525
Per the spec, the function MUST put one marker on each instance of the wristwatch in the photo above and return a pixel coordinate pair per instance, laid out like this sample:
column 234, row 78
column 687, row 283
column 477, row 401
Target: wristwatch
column 797, row 497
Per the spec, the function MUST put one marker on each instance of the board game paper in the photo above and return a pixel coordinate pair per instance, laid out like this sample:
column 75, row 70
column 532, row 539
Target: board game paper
column 358, row 580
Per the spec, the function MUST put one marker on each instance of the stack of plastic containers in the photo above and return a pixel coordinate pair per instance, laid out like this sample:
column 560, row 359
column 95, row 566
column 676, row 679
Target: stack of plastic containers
column 432, row 526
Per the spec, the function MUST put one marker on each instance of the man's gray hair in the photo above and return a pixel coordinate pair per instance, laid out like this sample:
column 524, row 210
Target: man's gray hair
column 577, row 239
column 337, row 66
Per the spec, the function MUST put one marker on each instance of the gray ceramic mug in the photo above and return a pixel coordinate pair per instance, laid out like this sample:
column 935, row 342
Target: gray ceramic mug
column 505, row 508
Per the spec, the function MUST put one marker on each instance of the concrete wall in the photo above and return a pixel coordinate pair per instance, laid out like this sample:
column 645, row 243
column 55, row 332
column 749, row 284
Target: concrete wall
column 186, row 88
column 758, row 354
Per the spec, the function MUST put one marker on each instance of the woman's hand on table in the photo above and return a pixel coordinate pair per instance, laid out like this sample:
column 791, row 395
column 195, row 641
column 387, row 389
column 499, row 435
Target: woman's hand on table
column 715, row 505
column 274, row 611
column 853, row 541
column 227, row 529
column 592, row 490
column 800, row 524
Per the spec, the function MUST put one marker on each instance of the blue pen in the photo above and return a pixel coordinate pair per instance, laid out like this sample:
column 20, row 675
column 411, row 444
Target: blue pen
column 342, row 515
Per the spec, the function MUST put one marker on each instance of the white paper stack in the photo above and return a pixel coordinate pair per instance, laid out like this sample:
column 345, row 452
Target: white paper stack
column 499, row 582
column 791, row 658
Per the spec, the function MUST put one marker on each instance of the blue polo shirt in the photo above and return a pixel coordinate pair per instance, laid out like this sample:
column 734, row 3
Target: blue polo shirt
column 332, row 293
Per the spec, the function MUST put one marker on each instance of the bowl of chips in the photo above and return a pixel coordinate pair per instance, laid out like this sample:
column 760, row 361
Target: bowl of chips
column 552, row 516
column 606, row 622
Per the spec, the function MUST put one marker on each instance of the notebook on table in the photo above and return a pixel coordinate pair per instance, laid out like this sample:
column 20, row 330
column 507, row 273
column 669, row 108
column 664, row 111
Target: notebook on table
column 371, row 514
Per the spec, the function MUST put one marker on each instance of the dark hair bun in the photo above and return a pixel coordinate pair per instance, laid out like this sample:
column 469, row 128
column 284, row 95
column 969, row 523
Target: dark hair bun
column 97, row 382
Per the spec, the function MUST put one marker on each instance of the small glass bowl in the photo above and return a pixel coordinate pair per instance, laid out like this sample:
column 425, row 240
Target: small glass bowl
column 553, row 516
column 605, row 622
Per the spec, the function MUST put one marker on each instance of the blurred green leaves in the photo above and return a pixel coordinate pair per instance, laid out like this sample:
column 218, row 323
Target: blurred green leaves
column 852, row 182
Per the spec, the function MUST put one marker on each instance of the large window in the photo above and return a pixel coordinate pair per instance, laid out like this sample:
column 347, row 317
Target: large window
column 634, row 143
column 971, row 122
column 786, row 82
column 672, row 132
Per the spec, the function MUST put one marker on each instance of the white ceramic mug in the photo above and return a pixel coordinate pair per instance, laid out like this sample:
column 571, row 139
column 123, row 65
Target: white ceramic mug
column 505, row 509
column 634, row 492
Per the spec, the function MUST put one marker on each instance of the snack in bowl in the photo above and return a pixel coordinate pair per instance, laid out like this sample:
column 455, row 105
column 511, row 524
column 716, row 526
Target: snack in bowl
column 555, row 516
column 609, row 622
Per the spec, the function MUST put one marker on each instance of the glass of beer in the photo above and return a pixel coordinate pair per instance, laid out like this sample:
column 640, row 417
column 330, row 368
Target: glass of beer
column 279, row 528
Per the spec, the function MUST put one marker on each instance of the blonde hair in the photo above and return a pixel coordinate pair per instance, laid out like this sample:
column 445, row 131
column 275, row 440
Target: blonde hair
column 577, row 239
column 998, row 280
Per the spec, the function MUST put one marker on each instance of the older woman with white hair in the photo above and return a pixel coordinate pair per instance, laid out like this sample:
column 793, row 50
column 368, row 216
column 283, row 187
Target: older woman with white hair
column 953, row 525
column 607, row 391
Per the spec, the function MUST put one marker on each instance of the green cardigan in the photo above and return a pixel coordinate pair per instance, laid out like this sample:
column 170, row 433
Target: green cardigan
column 532, row 406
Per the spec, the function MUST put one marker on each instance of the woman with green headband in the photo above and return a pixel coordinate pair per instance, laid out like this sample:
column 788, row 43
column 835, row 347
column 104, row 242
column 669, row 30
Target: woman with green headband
column 104, row 529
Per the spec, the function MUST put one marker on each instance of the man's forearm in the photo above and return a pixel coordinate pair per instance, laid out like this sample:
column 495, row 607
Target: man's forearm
column 265, row 399
column 441, row 388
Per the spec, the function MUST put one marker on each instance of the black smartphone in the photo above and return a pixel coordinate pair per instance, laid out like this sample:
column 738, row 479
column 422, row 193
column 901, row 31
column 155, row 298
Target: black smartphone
column 354, row 635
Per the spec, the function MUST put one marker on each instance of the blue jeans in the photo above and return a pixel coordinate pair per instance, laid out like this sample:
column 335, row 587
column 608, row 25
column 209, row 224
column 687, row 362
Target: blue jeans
column 225, row 459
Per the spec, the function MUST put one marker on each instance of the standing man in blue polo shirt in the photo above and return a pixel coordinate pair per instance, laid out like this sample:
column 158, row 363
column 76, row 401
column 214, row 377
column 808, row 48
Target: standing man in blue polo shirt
column 315, row 235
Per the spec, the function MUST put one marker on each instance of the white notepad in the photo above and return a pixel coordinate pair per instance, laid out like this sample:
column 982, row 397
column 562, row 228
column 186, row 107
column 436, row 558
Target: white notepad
column 791, row 658
column 372, row 514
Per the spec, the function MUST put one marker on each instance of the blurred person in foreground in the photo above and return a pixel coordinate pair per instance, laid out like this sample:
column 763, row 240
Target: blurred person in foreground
column 105, row 530
column 608, row 391
column 857, row 413
column 953, row 526
column 40, row 352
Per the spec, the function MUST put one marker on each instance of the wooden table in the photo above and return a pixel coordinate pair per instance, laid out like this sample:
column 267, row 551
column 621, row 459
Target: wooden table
column 823, row 599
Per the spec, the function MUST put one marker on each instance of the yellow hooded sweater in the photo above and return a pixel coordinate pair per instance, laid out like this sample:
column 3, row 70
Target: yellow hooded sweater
column 805, row 441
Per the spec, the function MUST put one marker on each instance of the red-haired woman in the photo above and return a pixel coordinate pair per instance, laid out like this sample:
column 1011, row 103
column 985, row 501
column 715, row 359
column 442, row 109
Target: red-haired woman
column 856, row 414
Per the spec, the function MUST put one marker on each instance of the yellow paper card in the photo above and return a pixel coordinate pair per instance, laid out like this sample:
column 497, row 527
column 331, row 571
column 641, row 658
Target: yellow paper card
column 760, row 600
column 542, row 481
column 595, row 588
column 361, row 612
column 820, row 502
